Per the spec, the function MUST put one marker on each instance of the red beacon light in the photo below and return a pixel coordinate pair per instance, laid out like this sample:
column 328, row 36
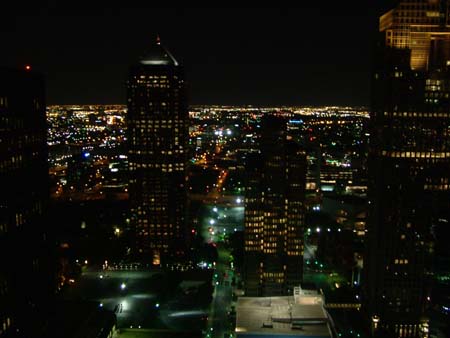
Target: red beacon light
column 27, row 67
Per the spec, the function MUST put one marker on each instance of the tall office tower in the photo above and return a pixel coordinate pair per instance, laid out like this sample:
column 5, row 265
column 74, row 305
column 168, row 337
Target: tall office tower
column 409, row 166
column 157, row 136
column 274, row 214
column 415, row 24
column 26, row 275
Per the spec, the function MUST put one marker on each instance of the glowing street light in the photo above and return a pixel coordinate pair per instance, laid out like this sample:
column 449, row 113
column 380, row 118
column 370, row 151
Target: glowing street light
column 123, row 286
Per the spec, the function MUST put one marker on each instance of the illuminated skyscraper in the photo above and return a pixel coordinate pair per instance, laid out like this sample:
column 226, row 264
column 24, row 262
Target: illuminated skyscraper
column 274, row 214
column 416, row 24
column 409, row 164
column 157, row 136
column 26, row 275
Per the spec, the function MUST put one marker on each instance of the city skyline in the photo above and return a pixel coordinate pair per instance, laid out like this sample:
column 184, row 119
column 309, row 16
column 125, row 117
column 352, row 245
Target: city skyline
column 311, row 55
column 225, row 173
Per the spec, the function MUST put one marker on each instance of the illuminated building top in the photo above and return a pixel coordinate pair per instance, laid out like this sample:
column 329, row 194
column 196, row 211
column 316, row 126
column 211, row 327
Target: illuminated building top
column 158, row 55
column 413, row 25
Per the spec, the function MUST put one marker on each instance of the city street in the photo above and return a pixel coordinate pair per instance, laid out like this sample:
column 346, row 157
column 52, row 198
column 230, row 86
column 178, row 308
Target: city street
column 217, row 223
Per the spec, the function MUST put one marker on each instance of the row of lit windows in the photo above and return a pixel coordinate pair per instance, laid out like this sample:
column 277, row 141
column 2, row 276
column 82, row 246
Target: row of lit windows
column 253, row 229
column 145, row 226
column 417, row 114
column 271, row 251
column 408, row 330
column 273, row 275
column 436, row 187
column 401, row 261
column 252, row 243
column 145, row 233
column 416, row 154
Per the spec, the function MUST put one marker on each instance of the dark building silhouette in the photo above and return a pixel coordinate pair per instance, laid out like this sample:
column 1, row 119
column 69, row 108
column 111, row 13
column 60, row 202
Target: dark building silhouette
column 409, row 165
column 157, row 138
column 27, row 277
column 274, row 214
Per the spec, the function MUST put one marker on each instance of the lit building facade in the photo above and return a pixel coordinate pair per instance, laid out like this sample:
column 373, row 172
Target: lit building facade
column 157, row 134
column 415, row 24
column 274, row 214
column 27, row 277
column 409, row 172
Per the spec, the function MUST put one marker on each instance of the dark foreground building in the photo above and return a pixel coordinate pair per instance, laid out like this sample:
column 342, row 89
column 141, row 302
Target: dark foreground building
column 27, row 278
column 409, row 165
column 274, row 214
column 157, row 136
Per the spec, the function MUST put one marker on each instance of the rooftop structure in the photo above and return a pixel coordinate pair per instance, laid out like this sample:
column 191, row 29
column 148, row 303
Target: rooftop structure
column 300, row 315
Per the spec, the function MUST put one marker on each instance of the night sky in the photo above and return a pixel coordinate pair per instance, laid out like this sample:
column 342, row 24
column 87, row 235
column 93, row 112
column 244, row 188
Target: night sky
column 316, row 54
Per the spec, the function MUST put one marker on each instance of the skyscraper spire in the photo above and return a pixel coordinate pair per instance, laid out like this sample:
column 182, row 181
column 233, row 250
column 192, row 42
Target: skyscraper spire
column 157, row 54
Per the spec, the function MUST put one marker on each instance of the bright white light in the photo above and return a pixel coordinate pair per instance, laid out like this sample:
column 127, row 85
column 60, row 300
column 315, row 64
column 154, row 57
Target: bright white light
column 154, row 62
column 317, row 229
column 114, row 170
column 211, row 221
column 238, row 201
column 123, row 286
column 101, row 276
column 228, row 132
column 215, row 209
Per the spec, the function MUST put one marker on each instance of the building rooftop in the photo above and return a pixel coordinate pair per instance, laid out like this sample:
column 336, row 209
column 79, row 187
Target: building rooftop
column 158, row 55
column 299, row 316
